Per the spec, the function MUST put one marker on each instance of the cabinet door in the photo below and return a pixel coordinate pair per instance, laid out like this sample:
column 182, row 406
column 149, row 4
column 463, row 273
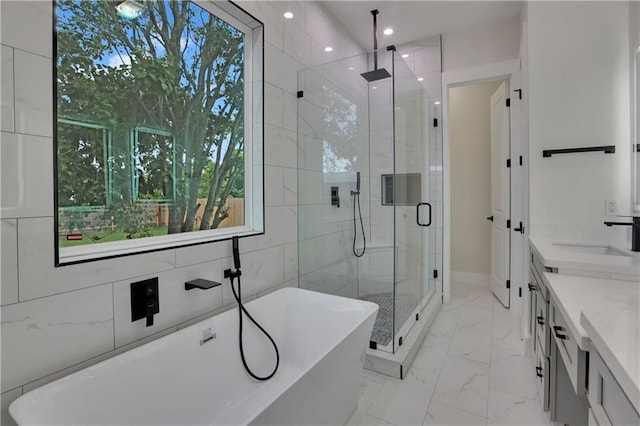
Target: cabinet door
column 609, row 403
column 575, row 359
column 565, row 405
column 542, row 374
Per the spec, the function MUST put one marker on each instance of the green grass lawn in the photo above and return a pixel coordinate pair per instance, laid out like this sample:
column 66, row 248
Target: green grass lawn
column 104, row 237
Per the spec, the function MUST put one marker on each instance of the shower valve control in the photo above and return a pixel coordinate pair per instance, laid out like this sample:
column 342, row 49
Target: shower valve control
column 335, row 196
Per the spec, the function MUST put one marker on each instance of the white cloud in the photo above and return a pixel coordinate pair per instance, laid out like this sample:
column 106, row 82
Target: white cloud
column 118, row 60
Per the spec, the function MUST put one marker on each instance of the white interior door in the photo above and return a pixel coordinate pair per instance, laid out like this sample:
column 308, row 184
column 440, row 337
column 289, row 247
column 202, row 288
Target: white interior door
column 500, row 190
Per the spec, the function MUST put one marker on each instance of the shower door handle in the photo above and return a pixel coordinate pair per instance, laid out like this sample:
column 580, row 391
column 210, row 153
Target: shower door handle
column 418, row 214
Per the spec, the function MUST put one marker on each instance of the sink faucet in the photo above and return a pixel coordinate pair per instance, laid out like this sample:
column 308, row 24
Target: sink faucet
column 635, row 231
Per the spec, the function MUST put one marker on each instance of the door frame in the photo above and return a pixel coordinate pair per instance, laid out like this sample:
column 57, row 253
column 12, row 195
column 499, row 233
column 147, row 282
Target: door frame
column 504, row 70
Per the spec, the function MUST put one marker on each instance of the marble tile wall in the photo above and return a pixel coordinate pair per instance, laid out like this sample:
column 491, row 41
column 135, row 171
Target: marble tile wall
column 58, row 320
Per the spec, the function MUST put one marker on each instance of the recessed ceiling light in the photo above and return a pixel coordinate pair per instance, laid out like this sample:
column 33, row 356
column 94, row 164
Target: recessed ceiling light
column 437, row 103
column 388, row 31
column 351, row 68
column 328, row 49
column 288, row 15
column 420, row 78
column 374, row 87
column 406, row 55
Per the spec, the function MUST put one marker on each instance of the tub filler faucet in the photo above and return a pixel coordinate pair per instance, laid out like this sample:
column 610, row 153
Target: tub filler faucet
column 635, row 231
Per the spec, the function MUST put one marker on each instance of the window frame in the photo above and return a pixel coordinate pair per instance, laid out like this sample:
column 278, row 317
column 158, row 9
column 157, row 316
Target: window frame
column 253, row 152
column 135, row 177
column 107, row 147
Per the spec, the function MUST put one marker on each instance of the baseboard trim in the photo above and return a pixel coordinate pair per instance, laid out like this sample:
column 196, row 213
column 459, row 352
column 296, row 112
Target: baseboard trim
column 470, row 278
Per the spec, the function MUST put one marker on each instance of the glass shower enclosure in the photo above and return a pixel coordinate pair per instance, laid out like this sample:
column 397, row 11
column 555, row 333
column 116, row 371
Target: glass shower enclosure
column 367, row 188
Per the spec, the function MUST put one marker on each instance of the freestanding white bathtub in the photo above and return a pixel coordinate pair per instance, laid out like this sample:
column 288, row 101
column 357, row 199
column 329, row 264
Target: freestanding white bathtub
column 176, row 380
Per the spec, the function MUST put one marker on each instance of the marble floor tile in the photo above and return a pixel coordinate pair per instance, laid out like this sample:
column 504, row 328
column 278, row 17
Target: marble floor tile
column 471, row 343
column 475, row 317
column 513, row 373
column 445, row 322
column 506, row 332
column 405, row 402
column 455, row 302
column 369, row 420
column 442, row 414
column 371, row 385
column 463, row 384
column 507, row 409
column 459, row 289
column 432, row 354
column 481, row 298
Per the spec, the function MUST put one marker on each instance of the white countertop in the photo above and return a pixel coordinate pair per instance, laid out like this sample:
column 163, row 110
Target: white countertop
column 601, row 313
column 556, row 256
column 615, row 333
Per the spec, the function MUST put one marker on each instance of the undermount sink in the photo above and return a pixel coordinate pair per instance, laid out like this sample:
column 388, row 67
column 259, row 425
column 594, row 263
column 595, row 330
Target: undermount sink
column 602, row 250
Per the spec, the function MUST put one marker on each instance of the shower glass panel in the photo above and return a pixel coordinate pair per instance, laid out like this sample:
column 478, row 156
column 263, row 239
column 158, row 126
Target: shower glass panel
column 333, row 134
column 363, row 188
column 412, row 210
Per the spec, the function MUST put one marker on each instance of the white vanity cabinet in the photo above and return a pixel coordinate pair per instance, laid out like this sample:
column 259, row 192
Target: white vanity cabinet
column 574, row 358
column 538, row 327
column 609, row 403
column 567, row 373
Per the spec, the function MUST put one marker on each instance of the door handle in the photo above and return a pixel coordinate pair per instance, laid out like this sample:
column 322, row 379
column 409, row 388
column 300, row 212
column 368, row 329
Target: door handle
column 520, row 229
column 418, row 214
column 490, row 218
column 558, row 332
column 540, row 319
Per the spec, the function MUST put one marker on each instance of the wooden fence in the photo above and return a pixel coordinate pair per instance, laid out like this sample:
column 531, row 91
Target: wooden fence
column 234, row 207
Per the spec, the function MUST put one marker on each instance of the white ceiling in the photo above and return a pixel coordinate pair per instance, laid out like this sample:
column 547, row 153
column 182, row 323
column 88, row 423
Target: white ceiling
column 415, row 20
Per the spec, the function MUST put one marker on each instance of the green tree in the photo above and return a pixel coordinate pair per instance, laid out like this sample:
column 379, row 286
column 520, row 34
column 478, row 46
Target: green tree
column 175, row 68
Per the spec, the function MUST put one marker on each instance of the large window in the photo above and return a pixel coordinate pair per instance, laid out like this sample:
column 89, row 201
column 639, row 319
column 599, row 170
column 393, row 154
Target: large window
column 158, row 125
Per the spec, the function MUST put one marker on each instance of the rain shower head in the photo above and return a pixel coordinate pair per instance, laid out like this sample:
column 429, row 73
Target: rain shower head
column 376, row 74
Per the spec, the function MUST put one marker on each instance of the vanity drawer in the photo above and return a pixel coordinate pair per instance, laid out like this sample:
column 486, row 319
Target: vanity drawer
column 542, row 374
column 542, row 322
column 574, row 358
column 609, row 404
column 532, row 309
column 539, row 266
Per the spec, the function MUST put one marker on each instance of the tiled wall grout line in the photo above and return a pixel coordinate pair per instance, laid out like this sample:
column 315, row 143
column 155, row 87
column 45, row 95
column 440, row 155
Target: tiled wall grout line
column 13, row 71
column 17, row 250
column 55, row 294
column 113, row 310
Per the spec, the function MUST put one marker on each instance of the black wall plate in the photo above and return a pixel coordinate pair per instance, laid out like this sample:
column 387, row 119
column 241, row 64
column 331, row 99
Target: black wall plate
column 141, row 293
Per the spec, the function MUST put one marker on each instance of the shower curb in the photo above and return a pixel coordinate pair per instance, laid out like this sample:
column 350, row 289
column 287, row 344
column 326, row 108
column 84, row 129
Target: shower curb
column 397, row 365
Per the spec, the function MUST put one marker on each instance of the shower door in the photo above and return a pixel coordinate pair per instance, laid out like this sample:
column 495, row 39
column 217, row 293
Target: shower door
column 412, row 210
